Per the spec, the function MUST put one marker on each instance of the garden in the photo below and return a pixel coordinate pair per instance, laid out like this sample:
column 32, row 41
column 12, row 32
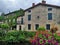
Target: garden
column 39, row 37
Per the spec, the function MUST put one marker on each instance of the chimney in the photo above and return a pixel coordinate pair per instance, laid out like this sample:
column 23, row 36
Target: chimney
column 43, row 2
column 33, row 4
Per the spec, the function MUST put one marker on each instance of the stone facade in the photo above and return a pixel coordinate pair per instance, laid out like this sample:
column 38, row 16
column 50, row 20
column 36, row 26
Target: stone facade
column 41, row 11
column 20, row 26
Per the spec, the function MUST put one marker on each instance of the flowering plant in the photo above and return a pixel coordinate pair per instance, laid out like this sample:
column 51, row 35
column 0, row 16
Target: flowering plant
column 44, row 38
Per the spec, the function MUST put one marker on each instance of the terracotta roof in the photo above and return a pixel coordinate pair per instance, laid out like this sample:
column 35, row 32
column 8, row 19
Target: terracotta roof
column 43, row 5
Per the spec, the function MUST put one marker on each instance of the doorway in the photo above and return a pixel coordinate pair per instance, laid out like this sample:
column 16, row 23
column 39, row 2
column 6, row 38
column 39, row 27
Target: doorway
column 19, row 27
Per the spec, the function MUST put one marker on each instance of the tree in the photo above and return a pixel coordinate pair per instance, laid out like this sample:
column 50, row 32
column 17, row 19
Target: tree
column 2, row 35
column 4, row 26
column 16, row 14
column 19, row 13
column 1, row 18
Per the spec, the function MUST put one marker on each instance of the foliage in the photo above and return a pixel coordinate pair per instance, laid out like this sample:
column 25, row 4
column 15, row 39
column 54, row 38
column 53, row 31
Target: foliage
column 14, row 16
column 21, row 36
column 29, row 34
column 54, row 29
column 41, row 29
column 2, row 35
column 11, row 16
column 18, row 36
column 12, row 23
column 20, row 12
column 43, row 39
column 11, row 36
column 4, row 26
column 36, row 38
column 1, row 18
column 57, row 37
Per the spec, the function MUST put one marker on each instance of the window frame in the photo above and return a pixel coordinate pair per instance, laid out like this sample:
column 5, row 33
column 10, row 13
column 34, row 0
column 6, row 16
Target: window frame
column 48, row 26
column 50, row 9
column 36, row 26
column 50, row 16
column 29, row 26
column 29, row 10
column 38, row 17
column 22, row 21
column 29, row 17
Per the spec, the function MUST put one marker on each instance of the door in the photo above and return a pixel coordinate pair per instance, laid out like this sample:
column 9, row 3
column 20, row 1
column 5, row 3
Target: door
column 19, row 27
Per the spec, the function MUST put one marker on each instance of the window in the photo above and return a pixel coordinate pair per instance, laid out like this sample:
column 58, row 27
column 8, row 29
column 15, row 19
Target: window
column 36, row 26
column 49, row 9
column 38, row 17
column 20, row 27
column 48, row 26
column 29, row 17
column 29, row 10
column 21, row 20
column 29, row 26
column 49, row 16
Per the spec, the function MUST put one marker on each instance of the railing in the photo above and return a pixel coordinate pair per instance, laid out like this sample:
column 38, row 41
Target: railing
column 20, row 22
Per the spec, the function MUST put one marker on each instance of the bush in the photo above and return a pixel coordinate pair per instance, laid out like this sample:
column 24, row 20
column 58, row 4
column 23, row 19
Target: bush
column 18, row 36
column 53, row 29
column 57, row 37
column 2, row 35
column 12, row 36
column 29, row 34
column 44, row 39
column 4, row 26
column 41, row 29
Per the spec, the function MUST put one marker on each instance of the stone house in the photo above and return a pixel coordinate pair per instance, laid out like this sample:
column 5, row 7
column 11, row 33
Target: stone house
column 39, row 15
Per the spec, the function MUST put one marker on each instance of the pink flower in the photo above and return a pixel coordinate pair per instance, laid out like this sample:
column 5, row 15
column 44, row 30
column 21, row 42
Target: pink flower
column 56, row 43
column 44, row 41
column 33, row 42
column 49, row 41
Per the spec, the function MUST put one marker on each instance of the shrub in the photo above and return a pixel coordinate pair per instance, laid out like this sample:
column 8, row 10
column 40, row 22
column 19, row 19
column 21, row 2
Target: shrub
column 18, row 36
column 2, row 35
column 57, row 37
column 29, row 34
column 12, row 36
column 41, row 29
column 43, row 39
column 54, row 29
column 4, row 26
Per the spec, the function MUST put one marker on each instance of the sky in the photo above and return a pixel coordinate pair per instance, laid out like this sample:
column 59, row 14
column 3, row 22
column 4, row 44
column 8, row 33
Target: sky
column 7, row 6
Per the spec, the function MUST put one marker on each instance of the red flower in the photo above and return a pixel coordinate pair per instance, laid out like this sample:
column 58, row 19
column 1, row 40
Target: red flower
column 58, row 34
